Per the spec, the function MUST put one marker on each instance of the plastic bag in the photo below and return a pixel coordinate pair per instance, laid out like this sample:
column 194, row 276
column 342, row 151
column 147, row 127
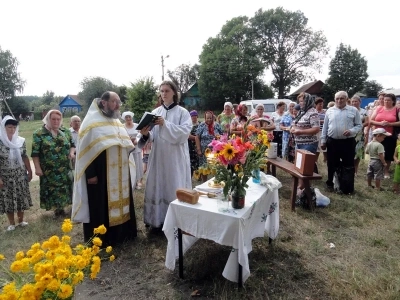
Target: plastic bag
column 321, row 201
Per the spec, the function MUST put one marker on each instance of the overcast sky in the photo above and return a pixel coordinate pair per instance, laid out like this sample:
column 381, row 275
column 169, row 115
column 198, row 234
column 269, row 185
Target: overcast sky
column 59, row 43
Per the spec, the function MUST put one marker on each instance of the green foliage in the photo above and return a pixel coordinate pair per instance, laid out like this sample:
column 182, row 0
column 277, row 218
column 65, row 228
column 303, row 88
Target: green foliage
column 10, row 79
column 372, row 88
column 347, row 70
column 18, row 105
column 228, row 64
column 94, row 87
column 141, row 95
column 48, row 98
column 184, row 77
column 288, row 46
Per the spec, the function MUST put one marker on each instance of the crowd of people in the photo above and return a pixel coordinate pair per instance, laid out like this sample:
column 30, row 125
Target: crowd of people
column 96, row 165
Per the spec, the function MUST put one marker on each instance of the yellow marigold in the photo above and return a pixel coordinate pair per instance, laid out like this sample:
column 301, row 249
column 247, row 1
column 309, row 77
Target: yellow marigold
column 26, row 264
column 66, row 226
column 37, row 256
column 9, row 287
column 62, row 274
column 54, row 285
column 100, row 230
column 54, row 242
column 16, row 266
column 45, row 245
column 66, row 239
column 96, row 249
column 60, row 262
column 78, row 277
column 81, row 263
column 65, row 291
column 96, row 260
column 39, row 289
column 108, row 249
column 19, row 255
column 112, row 257
column 28, row 291
column 97, row 241
column 51, row 254
column 2, row 257
column 46, row 278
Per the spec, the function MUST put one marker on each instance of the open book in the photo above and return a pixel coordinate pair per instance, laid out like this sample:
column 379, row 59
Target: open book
column 147, row 119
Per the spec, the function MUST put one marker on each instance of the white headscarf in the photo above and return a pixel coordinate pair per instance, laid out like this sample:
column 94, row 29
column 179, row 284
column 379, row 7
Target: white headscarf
column 47, row 124
column 127, row 113
column 228, row 104
column 15, row 144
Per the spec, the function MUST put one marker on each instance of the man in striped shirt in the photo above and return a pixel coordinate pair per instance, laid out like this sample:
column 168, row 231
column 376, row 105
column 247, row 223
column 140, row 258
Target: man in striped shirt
column 341, row 125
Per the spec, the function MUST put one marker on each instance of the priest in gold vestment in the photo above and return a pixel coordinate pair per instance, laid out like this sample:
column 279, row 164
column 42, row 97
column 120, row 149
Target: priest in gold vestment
column 102, row 188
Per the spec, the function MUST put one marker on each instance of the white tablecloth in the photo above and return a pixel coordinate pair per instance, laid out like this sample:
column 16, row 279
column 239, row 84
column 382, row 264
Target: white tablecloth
column 235, row 227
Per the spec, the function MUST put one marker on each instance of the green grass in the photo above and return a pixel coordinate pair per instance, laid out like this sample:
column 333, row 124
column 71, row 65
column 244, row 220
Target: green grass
column 26, row 130
column 365, row 263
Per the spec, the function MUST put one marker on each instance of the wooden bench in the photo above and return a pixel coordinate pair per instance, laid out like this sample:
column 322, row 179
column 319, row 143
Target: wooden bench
column 289, row 168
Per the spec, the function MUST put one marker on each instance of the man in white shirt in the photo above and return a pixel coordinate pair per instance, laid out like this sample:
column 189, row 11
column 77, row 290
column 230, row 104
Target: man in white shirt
column 75, row 125
column 341, row 125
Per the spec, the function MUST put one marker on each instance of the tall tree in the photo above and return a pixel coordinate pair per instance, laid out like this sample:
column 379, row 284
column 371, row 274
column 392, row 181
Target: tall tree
column 184, row 77
column 347, row 70
column 48, row 98
column 372, row 88
column 141, row 96
column 10, row 79
column 94, row 87
column 18, row 105
column 288, row 46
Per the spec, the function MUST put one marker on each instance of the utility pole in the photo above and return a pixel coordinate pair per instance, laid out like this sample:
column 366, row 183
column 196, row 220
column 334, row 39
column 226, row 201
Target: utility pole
column 162, row 66
column 252, row 89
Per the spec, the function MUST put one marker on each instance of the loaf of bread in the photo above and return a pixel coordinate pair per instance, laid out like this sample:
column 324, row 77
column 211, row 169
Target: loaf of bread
column 187, row 195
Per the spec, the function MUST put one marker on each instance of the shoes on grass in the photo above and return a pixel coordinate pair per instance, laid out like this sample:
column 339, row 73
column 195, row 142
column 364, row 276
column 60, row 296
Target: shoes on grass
column 23, row 224
column 11, row 228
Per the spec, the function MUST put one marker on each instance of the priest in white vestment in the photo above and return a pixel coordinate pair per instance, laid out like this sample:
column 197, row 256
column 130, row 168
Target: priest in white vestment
column 169, row 162
column 102, row 188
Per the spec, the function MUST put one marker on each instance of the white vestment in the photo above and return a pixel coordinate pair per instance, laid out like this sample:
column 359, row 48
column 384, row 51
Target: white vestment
column 97, row 134
column 169, row 163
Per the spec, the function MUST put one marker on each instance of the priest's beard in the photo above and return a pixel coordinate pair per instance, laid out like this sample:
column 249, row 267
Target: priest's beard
column 113, row 114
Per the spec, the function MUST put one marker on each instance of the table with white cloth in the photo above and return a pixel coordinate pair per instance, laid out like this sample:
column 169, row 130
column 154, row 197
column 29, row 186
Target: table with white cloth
column 232, row 227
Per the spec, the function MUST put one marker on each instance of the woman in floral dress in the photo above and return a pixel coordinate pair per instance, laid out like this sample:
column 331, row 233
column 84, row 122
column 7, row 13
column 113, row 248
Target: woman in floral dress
column 287, row 138
column 15, row 172
column 194, row 158
column 205, row 133
column 52, row 149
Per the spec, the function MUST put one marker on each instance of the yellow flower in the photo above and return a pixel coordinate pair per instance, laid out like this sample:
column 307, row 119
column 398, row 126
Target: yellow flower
column 54, row 285
column 207, row 152
column 28, row 291
column 101, row 229
column 19, row 255
column 66, row 239
column 46, row 278
column 66, row 226
column 112, row 257
column 228, row 151
column 97, row 241
column 50, row 254
column 196, row 175
column 60, row 262
column 2, row 257
column 77, row 277
column 65, row 291
column 62, row 274
column 16, row 266
column 108, row 249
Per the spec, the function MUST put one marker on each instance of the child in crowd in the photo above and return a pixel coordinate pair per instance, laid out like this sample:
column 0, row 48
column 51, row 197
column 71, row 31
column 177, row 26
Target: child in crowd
column 396, row 157
column 377, row 160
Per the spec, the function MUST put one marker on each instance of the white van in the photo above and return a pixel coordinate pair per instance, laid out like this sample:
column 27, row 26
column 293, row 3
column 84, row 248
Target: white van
column 269, row 105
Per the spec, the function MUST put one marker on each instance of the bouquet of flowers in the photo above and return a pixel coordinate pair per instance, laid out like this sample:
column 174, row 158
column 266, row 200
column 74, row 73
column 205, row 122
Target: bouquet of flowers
column 51, row 270
column 236, row 157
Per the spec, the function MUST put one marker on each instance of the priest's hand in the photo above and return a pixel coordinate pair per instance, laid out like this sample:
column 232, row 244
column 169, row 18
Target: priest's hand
column 92, row 180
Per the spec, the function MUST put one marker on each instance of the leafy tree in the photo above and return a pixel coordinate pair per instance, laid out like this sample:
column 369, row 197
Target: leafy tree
column 141, row 96
column 48, row 98
column 10, row 80
column 228, row 64
column 372, row 88
column 94, row 87
column 18, row 105
column 184, row 77
column 288, row 46
column 347, row 70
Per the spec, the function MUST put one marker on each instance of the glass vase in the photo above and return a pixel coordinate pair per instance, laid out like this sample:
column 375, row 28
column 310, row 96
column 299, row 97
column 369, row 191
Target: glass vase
column 255, row 174
column 223, row 203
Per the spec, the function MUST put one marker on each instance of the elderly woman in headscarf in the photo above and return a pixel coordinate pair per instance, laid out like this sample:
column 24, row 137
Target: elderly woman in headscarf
column 15, row 173
column 287, row 138
column 261, row 120
column 136, row 154
column 205, row 133
column 52, row 150
column 225, row 118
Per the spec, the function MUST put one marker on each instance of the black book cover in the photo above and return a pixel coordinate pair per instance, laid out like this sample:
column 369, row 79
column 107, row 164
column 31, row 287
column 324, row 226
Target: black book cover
column 147, row 119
